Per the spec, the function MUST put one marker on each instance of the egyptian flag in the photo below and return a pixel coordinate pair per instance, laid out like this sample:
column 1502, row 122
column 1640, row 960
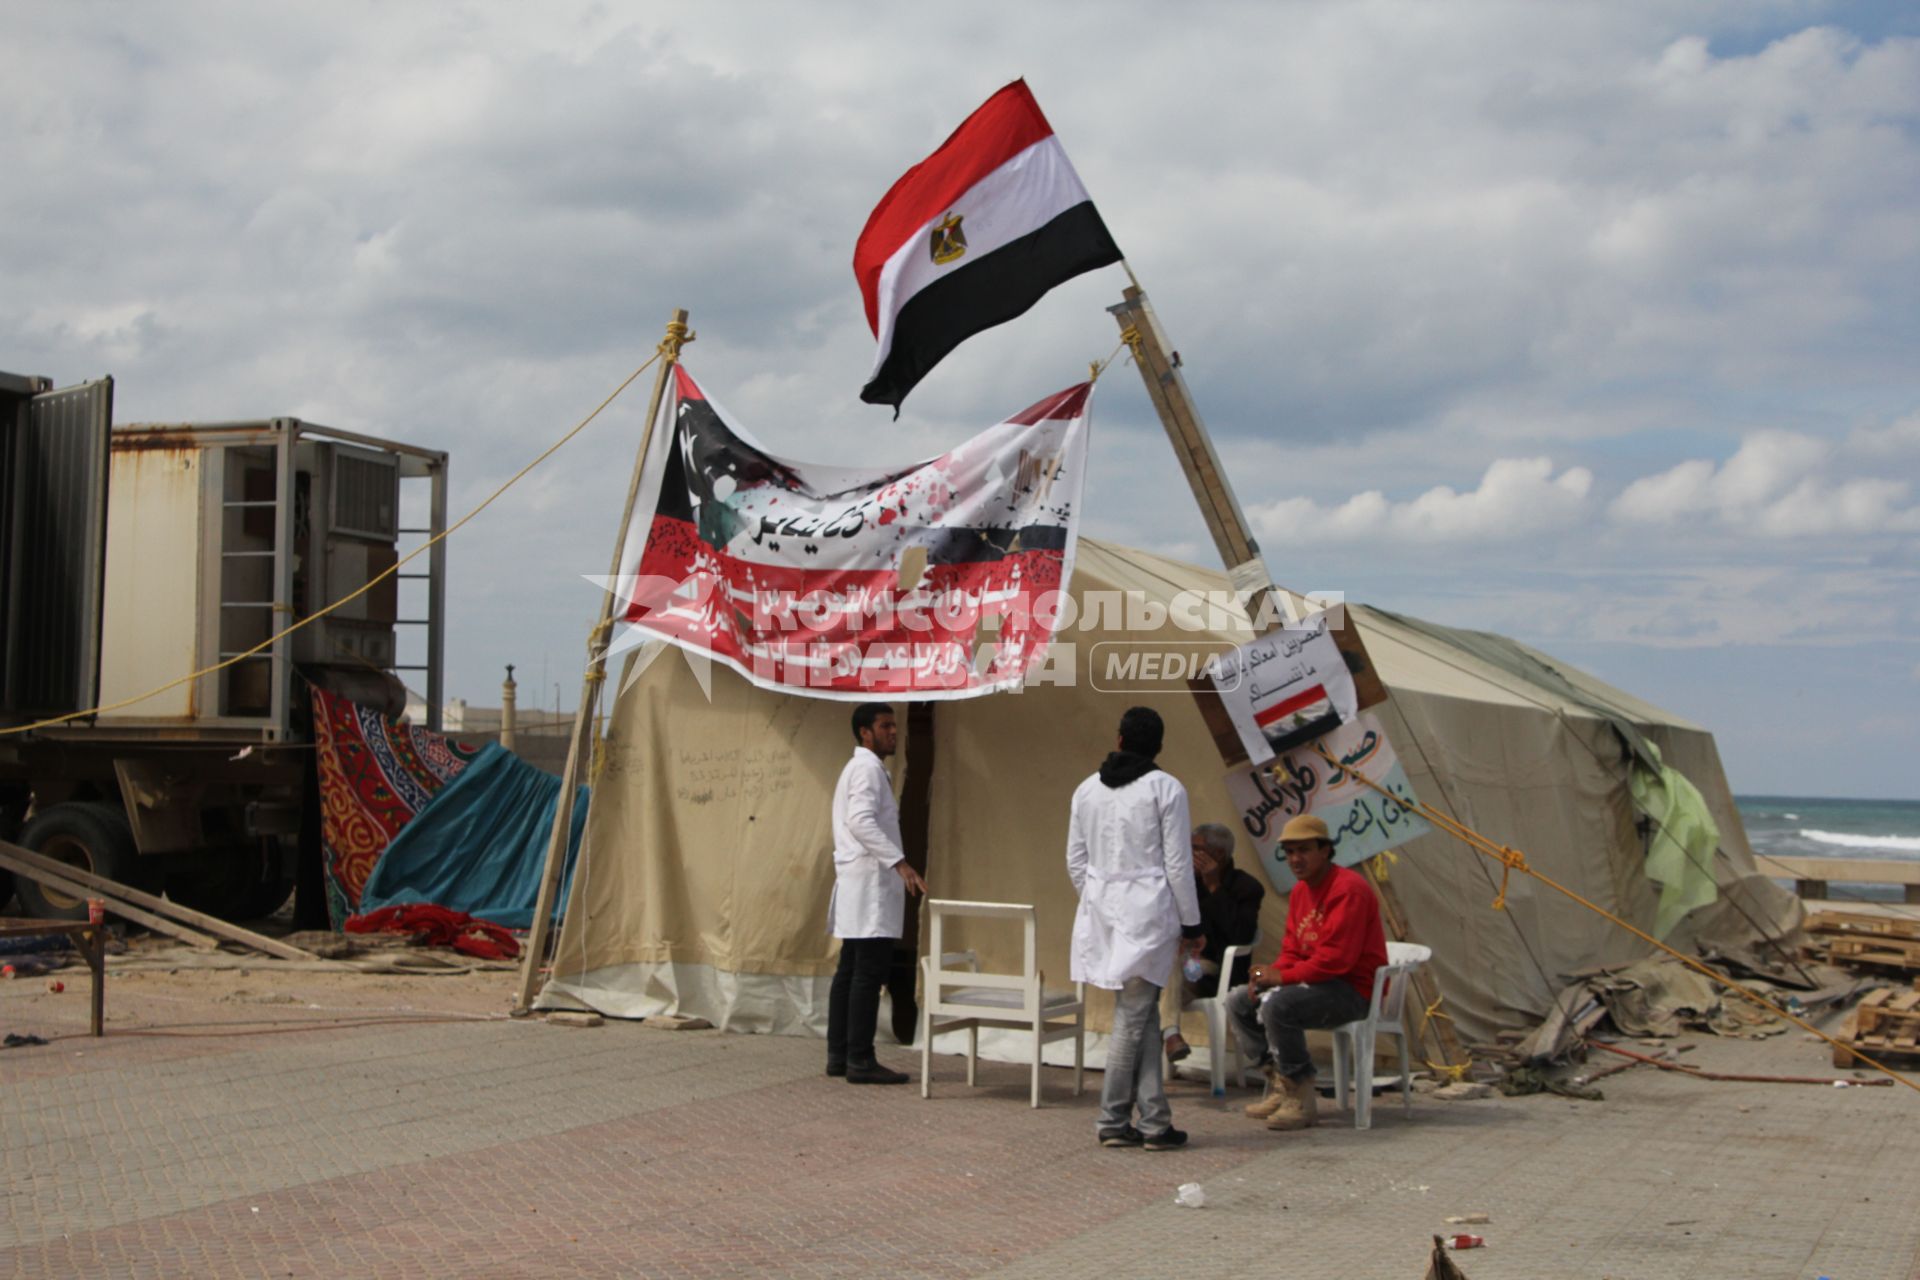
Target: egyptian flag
column 971, row 237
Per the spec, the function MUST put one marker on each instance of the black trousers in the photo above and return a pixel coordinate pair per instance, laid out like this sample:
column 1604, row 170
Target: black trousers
column 853, row 1002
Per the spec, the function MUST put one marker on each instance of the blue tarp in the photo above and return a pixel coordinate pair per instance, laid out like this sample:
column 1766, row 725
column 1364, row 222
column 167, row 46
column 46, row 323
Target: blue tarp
column 479, row 844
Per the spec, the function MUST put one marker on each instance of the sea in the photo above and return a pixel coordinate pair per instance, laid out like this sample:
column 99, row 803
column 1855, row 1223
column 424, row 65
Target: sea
column 1808, row 827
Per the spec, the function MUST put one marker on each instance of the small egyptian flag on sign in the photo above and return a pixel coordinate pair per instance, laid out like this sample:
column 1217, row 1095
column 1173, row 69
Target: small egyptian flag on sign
column 971, row 237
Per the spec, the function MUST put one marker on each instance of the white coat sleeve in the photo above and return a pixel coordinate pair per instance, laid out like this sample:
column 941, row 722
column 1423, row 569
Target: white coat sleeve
column 863, row 818
column 1076, row 848
column 1176, row 850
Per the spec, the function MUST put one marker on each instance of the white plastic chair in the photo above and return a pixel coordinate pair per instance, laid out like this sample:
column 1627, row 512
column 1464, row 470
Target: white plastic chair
column 1220, row 1038
column 1353, row 1044
column 964, row 998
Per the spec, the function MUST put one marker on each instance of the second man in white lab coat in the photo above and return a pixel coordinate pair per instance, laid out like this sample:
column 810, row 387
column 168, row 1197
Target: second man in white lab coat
column 1131, row 861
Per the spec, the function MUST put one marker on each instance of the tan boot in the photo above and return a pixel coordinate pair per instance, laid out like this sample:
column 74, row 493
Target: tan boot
column 1299, row 1108
column 1272, row 1098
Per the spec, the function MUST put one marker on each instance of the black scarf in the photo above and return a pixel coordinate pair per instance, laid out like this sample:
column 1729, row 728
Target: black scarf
column 1122, row 767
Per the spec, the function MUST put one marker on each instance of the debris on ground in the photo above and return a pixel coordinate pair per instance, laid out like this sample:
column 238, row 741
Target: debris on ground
column 1463, row 1091
column 1522, row 1082
column 676, row 1022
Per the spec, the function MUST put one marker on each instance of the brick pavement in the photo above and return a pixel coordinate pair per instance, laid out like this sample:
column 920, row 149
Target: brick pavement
column 491, row 1148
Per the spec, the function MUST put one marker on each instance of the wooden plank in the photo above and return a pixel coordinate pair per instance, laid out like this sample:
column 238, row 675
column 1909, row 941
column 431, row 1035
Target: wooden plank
column 173, row 911
column 1848, row 870
column 75, row 889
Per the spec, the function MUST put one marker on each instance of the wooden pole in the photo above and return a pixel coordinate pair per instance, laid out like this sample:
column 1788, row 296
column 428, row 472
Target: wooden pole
column 579, row 745
column 1192, row 446
column 1167, row 388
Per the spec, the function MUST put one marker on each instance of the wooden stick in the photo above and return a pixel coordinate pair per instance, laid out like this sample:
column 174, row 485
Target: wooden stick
column 69, row 879
column 1740, row 1077
column 579, row 746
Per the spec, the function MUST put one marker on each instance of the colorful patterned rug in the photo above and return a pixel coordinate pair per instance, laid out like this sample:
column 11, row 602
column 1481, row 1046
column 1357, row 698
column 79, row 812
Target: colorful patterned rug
column 375, row 774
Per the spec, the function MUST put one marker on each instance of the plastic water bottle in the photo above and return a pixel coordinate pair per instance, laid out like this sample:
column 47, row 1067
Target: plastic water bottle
column 1190, row 1196
column 1192, row 967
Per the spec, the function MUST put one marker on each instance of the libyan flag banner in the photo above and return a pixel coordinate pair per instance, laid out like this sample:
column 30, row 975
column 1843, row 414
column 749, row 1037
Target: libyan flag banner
column 938, row 580
column 972, row 237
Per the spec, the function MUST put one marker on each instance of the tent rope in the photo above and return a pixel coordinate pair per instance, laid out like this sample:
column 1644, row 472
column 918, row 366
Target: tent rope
column 351, row 596
column 1099, row 367
column 1513, row 860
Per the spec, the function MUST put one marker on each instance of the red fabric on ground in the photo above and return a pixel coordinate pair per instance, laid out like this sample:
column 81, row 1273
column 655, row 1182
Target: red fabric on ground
column 440, row 927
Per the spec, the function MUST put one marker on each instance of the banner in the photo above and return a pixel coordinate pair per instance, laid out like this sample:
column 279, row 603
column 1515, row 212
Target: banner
column 937, row 580
column 1362, row 821
column 1286, row 687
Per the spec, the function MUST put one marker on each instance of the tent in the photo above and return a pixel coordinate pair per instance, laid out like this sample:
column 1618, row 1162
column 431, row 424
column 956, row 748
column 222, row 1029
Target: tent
column 703, row 881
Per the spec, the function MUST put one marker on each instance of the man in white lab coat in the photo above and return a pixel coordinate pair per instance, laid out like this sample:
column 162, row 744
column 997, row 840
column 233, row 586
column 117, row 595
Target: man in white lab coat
column 871, row 880
column 1130, row 857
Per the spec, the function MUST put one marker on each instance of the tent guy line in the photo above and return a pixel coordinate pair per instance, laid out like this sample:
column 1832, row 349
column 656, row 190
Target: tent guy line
column 1513, row 860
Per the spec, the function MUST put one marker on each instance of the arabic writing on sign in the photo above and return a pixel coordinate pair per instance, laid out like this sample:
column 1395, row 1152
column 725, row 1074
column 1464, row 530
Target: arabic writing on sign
column 1361, row 821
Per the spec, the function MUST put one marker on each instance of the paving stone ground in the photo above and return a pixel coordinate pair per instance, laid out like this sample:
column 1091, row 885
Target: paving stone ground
column 213, row 1139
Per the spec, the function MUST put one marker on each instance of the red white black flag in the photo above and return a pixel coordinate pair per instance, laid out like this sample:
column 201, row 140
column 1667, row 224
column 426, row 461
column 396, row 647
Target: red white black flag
column 971, row 237
column 943, row 579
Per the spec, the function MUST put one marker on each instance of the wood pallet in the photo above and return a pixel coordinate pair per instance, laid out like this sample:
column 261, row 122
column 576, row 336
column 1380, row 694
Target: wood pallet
column 1886, row 941
column 1886, row 1023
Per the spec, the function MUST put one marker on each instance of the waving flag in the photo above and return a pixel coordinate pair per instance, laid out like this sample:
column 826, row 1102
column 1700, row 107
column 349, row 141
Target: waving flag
column 936, row 580
column 971, row 237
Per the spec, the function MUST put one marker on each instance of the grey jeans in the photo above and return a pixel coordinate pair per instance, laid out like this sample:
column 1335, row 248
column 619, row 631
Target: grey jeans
column 1274, row 1030
column 1133, row 1063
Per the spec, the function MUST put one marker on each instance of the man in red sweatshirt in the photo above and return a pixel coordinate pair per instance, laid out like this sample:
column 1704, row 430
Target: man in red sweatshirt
column 1322, row 979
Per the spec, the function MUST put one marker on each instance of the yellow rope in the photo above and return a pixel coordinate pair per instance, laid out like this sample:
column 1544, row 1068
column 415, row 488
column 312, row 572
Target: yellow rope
column 1099, row 367
column 1513, row 860
column 378, row 578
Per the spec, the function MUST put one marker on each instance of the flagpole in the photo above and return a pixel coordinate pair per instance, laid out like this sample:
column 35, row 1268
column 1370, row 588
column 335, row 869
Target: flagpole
column 1167, row 388
column 678, row 335
column 1246, row 569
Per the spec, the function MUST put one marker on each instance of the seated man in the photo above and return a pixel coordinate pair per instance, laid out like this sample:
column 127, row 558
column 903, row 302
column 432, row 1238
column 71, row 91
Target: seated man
column 1230, row 914
column 1322, row 979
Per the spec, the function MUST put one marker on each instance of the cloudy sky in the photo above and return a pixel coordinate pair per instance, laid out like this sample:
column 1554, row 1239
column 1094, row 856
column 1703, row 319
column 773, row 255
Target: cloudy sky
column 1595, row 324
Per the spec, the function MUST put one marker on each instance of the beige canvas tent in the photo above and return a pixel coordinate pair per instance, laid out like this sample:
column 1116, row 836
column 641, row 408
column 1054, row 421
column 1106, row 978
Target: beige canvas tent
column 705, row 873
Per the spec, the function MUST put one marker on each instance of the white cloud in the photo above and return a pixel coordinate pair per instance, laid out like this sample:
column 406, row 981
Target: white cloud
column 1516, row 498
column 1779, row 484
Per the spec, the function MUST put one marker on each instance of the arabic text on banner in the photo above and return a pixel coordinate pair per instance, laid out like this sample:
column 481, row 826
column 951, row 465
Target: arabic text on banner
column 1286, row 687
column 1361, row 820
column 809, row 579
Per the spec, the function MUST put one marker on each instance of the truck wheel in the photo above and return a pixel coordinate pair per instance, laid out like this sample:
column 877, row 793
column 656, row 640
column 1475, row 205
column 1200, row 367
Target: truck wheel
column 267, row 897
column 234, row 882
column 10, row 832
column 90, row 835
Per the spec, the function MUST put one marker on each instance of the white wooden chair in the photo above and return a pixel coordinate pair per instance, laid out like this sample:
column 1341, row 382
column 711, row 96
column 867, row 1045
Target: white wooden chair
column 959, row 997
column 1353, row 1044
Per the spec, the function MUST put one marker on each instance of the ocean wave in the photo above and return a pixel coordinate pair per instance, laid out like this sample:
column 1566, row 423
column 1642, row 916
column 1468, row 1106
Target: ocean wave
column 1906, row 844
